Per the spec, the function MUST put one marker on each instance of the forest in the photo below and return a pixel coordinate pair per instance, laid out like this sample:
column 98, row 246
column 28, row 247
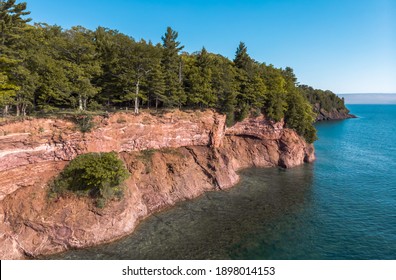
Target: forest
column 45, row 69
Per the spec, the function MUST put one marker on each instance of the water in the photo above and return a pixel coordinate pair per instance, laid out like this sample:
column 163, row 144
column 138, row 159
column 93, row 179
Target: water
column 341, row 207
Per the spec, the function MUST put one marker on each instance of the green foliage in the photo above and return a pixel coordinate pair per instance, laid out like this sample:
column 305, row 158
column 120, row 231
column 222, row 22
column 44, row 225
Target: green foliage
column 97, row 175
column 46, row 69
column 275, row 106
column 321, row 99
column 243, row 113
column 145, row 157
column 172, row 65
column 300, row 116
column 84, row 122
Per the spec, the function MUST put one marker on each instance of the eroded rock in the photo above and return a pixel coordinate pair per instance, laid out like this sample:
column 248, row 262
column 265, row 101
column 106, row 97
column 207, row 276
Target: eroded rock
column 194, row 153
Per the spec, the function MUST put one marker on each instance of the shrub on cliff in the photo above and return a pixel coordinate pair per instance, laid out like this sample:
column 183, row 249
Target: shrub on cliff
column 84, row 122
column 98, row 175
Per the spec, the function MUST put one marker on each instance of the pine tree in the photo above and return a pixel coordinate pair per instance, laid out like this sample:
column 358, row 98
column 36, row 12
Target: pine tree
column 172, row 65
column 155, row 80
column 12, row 29
column 300, row 116
column 80, row 57
column 225, row 86
column 7, row 93
column 198, row 80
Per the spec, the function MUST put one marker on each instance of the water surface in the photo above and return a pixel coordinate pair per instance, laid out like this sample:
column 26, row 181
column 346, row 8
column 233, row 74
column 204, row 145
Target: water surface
column 341, row 207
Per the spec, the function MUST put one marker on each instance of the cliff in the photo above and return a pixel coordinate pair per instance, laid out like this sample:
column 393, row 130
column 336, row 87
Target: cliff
column 333, row 114
column 172, row 157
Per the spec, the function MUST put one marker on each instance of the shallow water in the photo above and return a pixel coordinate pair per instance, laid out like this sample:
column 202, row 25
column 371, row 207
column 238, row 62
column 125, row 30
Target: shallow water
column 341, row 207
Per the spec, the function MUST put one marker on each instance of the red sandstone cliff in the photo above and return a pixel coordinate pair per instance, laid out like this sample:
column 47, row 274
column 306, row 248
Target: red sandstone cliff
column 194, row 153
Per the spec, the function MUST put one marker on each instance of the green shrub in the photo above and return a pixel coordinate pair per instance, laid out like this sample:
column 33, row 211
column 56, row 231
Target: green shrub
column 145, row 156
column 98, row 175
column 84, row 122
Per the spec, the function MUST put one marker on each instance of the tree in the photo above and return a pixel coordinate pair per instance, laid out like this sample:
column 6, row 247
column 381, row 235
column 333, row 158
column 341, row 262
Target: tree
column 7, row 93
column 198, row 79
column 12, row 28
column 155, row 78
column 141, row 65
column 252, row 89
column 172, row 65
column 131, row 67
column 46, row 68
column 53, row 89
column 300, row 116
column 12, row 22
column 242, row 59
column 81, row 63
column 225, row 86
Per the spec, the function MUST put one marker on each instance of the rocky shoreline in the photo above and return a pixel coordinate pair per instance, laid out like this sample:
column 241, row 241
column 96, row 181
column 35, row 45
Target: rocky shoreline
column 172, row 157
column 323, row 115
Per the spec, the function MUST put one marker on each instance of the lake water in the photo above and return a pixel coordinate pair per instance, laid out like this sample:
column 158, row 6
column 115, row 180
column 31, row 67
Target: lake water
column 343, row 206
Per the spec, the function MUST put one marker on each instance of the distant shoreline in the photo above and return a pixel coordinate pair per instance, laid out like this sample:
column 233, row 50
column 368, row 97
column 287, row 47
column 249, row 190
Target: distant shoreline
column 369, row 98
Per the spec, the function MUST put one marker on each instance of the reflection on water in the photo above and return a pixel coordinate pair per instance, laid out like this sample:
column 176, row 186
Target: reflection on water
column 218, row 225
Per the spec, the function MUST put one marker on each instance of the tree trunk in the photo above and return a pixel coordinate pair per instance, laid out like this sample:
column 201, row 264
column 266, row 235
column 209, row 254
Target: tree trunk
column 24, row 107
column 5, row 111
column 156, row 104
column 85, row 104
column 80, row 103
column 137, row 98
column 18, row 110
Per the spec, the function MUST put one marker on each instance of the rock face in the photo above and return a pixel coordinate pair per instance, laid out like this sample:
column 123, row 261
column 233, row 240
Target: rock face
column 172, row 157
column 323, row 115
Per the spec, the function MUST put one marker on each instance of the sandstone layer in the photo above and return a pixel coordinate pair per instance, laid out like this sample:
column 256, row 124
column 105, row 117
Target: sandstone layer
column 172, row 157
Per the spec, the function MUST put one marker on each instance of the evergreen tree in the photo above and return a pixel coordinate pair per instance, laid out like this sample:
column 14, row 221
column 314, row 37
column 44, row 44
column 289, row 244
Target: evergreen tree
column 81, row 62
column 141, row 67
column 198, row 80
column 7, row 93
column 300, row 116
column 13, row 26
column 172, row 65
column 108, row 45
column 46, row 68
column 252, row 89
column 225, row 86
column 155, row 79
column 242, row 59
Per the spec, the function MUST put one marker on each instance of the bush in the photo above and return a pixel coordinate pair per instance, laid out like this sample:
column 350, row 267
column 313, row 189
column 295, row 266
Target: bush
column 98, row 175
column 84, row 122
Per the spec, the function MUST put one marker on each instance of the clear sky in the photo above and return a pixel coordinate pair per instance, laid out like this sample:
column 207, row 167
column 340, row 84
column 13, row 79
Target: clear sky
column 348, row 46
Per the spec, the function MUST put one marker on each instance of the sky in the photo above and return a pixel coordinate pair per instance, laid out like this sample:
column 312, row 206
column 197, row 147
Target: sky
column 347, row 46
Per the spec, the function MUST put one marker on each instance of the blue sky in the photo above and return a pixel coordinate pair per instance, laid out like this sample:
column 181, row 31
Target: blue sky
column 346, row 46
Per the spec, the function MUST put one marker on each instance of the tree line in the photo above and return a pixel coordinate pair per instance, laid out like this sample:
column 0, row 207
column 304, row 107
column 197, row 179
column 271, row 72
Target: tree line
column 44, row 68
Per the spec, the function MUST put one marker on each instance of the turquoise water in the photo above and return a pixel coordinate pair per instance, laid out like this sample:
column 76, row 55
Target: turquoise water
column 341, row 207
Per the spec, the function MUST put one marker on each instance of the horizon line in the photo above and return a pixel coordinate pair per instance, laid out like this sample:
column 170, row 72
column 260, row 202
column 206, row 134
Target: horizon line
column 367, row 93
